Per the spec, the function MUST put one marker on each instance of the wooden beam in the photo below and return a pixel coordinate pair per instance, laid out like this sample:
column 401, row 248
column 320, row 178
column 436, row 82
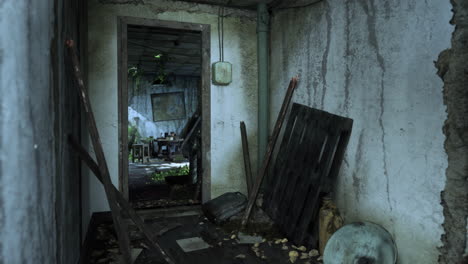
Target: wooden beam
column 122, row 234
column 126, row 207
column 190, row 133
column 268, row 154
column 245, row 149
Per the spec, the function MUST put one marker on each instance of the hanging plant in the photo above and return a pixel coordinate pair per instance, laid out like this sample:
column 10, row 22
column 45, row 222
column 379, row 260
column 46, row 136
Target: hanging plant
column 161, row 75
column 135, row 73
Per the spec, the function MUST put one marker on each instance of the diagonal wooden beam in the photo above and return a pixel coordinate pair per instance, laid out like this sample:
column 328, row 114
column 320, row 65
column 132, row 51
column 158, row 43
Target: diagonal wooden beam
column 271, row 145
column 245, row 149
column 120, row 228
column 126, row 207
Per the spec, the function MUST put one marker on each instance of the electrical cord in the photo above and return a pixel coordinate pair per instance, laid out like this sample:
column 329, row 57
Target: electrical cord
column 221, row 15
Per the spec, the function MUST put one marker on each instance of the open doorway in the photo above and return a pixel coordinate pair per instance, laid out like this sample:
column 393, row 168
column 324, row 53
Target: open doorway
column 164, row 103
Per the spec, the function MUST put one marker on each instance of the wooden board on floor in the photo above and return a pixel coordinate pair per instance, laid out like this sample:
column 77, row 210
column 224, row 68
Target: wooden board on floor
column 306, row 166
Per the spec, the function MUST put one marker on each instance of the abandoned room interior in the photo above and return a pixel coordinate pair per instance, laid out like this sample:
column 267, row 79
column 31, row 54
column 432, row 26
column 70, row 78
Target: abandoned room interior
column 234, row 131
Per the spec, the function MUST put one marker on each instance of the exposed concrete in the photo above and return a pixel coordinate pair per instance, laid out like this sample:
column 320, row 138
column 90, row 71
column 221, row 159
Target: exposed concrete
column 372, row 60
column 39, row 179
column 454, row 71
column 230, row 104
column 140, row 111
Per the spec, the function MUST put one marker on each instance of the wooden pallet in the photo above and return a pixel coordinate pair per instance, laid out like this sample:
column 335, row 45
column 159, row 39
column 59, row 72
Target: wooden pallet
column 306, row 166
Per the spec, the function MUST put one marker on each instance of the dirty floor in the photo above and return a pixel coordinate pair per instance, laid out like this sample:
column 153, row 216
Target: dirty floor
column 224, row 247
column 145, row 193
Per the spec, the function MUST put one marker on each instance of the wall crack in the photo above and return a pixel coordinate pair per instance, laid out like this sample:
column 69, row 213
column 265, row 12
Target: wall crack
column 326, row 52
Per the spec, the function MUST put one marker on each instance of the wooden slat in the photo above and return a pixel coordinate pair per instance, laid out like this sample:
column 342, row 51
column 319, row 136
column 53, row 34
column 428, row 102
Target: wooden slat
column 122, row 234
column 273, row 183
column 284, row 167
column 271, row 145
column 292, row 166
column 314, row 142
column 306, row 165
column 188, row 137
column 126, row 207
column 309, row 216
column 246, row 155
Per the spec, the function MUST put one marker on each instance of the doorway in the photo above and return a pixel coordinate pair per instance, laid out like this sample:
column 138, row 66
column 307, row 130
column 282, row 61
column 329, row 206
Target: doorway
column 164, row 112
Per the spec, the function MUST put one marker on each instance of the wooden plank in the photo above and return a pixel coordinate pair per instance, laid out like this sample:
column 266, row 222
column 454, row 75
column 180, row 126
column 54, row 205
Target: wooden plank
column 122, row 102
column 285, row 168
column 290, row 174
column 268, row 154
column 309, row 216
column 307, row 163
column 308, row 185
column 188, row 137
column 205, row 93
column 122, row 234
column 274, row 182
column 246, row 155
column 126, row 207
column 314, row 142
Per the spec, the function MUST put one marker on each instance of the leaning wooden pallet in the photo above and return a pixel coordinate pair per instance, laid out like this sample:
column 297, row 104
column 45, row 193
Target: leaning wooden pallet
column 114, row 197
column 271, row 145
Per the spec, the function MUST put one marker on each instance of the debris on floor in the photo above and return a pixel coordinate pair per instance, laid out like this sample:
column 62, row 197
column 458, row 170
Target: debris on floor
column 224, row 207
column 249, row 239
column 284, row 224
column 192, row 244
column 198, row 240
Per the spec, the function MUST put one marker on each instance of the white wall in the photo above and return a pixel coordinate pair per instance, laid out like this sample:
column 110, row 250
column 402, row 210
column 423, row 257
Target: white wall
column 229, row 104
column 372, row 60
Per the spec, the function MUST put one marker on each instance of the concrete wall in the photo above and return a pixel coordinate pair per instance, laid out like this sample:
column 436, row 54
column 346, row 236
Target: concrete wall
column 372, row 60
column 39, row 176
column 140, row 111
column 229, row 104
column 453, row 70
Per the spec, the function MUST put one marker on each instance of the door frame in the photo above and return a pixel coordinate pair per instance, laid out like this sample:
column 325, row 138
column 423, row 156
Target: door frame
column 205, row 30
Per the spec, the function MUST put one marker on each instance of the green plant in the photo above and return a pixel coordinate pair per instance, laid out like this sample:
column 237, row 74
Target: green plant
column 160, row 175
column 136, row 75
column 133, row 136
column 161, row 60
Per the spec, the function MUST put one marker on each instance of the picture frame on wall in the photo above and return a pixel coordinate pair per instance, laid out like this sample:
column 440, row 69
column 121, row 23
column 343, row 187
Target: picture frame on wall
column 168, row 106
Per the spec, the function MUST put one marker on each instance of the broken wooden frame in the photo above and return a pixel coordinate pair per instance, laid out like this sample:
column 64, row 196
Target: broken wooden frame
column 306, row 166
column 101, row 171
column 245, row 150
column 205, row 93
column 268, row 154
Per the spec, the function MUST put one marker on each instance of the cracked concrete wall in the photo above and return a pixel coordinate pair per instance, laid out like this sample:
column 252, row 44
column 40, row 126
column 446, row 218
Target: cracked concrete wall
column 39, row 177
column 372, row 61
column 454, row 71
column 229, row 104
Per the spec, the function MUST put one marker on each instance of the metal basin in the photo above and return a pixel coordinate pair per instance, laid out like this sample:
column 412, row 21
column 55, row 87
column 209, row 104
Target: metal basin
column 360, row 243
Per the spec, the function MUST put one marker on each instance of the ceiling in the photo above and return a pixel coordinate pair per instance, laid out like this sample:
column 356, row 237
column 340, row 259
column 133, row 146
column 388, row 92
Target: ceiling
column 182, row 49
column 250, row 4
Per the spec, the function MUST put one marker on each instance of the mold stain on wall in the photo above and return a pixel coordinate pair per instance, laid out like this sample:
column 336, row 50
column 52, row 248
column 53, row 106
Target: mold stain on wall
column 395, row 162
